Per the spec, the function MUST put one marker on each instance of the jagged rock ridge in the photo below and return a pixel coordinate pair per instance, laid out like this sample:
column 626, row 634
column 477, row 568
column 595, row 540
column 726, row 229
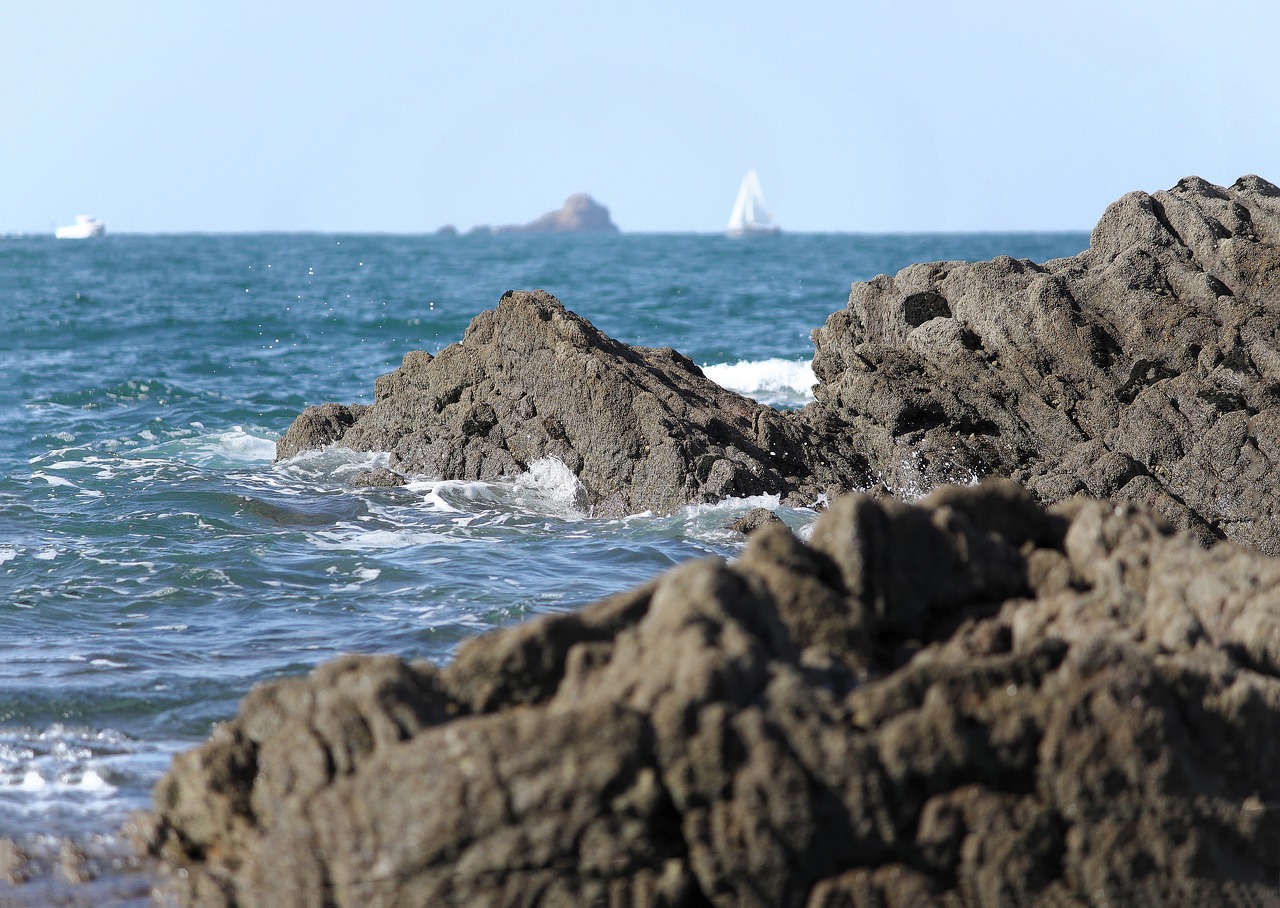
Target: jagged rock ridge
column 1147, row 368
column 974, row 701
column 643, row 429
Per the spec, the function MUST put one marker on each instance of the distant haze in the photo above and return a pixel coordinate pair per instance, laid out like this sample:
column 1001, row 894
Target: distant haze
column 403, row 117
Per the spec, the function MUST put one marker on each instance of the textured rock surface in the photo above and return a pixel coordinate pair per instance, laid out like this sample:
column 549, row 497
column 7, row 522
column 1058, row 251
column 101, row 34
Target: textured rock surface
column 579, row 214
column 642, row 429
column 1146, row 368
column 974, row 701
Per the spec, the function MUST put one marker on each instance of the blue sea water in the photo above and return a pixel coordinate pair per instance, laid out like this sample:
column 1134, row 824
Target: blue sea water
column 155, row 563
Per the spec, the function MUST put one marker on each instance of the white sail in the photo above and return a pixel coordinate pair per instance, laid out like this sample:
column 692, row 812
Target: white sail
column 749, row 213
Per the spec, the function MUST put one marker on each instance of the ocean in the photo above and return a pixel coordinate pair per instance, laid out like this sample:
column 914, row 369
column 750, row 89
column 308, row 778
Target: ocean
column 155, row 563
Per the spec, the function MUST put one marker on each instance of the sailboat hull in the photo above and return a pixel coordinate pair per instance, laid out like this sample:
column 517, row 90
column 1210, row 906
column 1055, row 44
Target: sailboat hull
column 753, row 230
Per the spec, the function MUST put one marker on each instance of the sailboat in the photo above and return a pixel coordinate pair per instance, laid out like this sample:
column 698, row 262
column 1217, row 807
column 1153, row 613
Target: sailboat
column 750, row 217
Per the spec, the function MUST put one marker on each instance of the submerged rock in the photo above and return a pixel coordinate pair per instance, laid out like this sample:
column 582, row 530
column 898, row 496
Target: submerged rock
column 753, row 520
column 579, row 214
column 972, row 701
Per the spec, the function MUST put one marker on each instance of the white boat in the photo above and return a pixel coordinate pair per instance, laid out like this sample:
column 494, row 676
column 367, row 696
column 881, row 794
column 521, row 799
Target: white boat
column 750, row 217
column 82, row 229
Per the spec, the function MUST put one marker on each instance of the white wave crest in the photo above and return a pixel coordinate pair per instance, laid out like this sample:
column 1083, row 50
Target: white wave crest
column 357, row 539
column 333, row 463
column 234, row 447
column 776, row 382
column 550, row 481
column 240, row 444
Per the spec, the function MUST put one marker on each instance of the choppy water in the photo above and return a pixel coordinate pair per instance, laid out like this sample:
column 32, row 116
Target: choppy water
column 155, row 563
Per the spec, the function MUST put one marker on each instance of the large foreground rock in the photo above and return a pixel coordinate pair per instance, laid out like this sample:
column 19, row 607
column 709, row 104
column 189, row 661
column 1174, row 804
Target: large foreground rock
column 579, row 214
column 970, row 702
column 1147, row 368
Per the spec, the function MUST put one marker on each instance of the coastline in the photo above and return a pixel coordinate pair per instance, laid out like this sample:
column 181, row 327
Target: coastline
column 942, row 650
column 906, row 387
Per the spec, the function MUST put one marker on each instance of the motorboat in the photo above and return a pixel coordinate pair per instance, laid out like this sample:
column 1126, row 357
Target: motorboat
column 84, row 228
column 749, row 216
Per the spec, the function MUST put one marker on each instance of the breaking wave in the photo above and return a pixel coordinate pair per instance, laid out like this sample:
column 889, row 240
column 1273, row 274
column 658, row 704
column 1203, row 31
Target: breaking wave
column 775, row 382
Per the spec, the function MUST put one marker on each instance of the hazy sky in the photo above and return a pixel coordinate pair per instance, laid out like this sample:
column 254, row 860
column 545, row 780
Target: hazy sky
column 403, row 116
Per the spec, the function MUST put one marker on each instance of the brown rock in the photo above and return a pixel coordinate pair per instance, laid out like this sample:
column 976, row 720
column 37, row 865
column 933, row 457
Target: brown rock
column 972, row 701
column 642, row 429
column 378, row 478
column 579, row 214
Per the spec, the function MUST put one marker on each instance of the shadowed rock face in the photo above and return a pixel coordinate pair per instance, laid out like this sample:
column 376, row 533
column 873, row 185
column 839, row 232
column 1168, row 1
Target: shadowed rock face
column 1147, row 368
column 972, row 701
column 642, row 429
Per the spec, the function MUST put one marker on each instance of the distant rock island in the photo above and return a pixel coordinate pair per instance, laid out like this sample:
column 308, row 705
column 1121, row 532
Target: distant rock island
column 580, row 214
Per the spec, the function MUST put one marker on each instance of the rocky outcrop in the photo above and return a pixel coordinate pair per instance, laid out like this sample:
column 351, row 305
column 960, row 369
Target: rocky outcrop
column 642, row 429
column 974, row 701
column 579, row 214
column 1147, row 368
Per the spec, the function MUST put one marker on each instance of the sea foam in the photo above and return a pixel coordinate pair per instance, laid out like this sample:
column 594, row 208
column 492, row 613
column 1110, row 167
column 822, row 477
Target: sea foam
column 775, row 382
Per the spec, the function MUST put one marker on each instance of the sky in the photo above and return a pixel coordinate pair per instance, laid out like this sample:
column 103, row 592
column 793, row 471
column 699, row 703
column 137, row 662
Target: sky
column 915, row 115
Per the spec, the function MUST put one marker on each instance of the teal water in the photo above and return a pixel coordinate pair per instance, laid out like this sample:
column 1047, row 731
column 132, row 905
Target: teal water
column 155, row 563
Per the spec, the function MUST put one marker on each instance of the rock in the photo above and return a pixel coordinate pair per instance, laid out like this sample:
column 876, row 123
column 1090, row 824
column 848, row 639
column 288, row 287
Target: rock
column 1144, row 369
column 642, row 429
column 755, row 519
column 73, row 863
column 970, row 701
column 580, row 214
column 42, row 870
column 318, row 427
column 379, row 477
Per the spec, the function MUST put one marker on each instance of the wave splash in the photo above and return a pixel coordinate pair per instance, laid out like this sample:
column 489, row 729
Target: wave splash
column 774, row 382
